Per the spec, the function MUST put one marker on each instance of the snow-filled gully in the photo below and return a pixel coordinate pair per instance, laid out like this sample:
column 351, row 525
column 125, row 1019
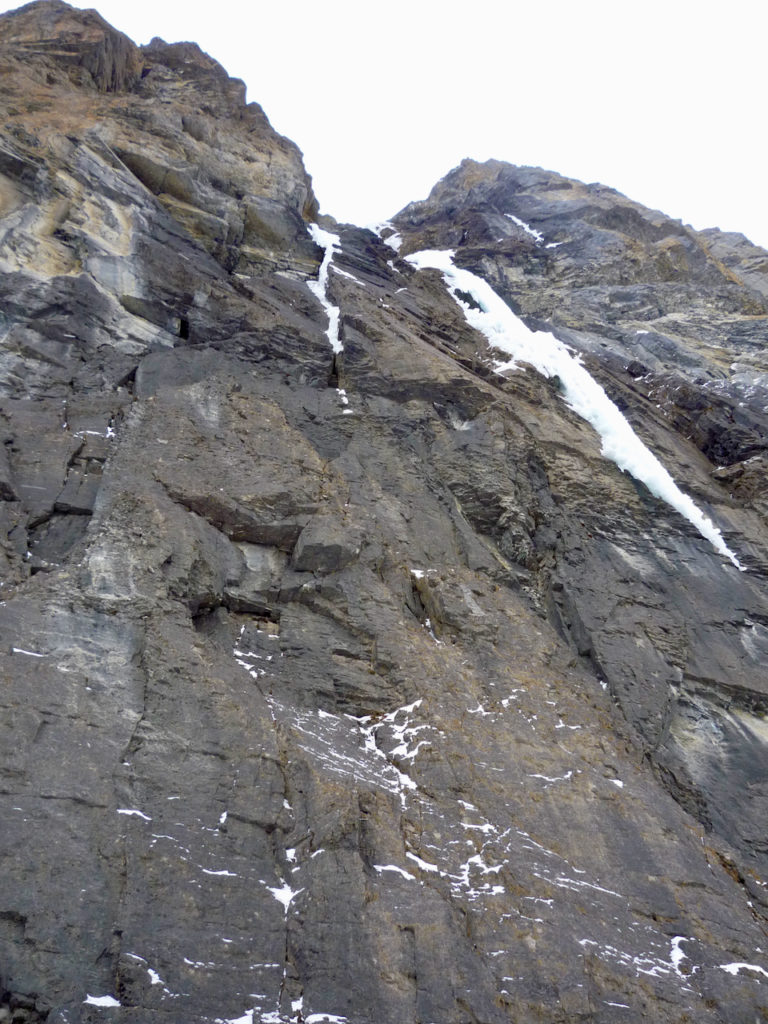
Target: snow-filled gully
column 331, row 244
column 583, row 394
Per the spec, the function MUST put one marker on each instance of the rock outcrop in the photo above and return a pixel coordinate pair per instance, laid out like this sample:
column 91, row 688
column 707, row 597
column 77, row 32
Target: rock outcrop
column 360, row 686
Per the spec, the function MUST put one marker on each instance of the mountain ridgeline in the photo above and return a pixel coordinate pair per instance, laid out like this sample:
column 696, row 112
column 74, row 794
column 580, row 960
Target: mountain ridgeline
column 344, row 677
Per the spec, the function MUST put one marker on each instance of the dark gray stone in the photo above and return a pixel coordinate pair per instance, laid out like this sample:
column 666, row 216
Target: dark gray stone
column 326, row 544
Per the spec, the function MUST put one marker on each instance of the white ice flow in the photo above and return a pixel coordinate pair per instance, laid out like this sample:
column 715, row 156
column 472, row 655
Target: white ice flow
column 332, row 244
column 583, row 394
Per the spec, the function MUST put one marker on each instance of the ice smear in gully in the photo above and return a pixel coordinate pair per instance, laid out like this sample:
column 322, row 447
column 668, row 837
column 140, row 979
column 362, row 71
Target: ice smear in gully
column 331, row 244
column 583, row 394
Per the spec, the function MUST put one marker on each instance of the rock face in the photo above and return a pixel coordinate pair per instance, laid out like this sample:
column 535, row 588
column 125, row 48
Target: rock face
column 361, row 686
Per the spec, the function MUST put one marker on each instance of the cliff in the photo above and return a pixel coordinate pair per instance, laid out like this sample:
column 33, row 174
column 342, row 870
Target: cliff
column 343, row 677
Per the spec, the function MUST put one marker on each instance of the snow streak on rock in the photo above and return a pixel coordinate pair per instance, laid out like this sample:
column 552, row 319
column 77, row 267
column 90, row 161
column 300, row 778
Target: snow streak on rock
column 319, row 288
column 388, row 233
column 537, row 235
column 584, row 395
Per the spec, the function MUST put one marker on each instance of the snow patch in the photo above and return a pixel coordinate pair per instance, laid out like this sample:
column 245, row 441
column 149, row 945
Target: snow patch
column 423, row 864
column 676, row 955
column 393, row 240
column 737, row 967
column 101, row 1001
column 285, row 895
column 344, row 399
column 396, row 869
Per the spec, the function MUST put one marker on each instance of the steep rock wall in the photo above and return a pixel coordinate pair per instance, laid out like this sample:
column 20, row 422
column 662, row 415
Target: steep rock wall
column 352, row 686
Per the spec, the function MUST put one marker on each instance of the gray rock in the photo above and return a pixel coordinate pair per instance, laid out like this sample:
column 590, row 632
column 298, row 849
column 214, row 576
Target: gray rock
column 406, row 708
column 326, row 545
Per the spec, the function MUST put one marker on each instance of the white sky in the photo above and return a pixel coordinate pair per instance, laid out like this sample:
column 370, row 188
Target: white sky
column 662, row 100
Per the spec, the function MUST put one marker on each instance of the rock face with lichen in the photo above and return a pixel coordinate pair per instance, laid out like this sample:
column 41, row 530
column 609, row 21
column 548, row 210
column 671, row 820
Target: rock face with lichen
column 360, row 686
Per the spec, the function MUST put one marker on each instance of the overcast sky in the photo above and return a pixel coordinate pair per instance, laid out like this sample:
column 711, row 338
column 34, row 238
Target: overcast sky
column 664, row 101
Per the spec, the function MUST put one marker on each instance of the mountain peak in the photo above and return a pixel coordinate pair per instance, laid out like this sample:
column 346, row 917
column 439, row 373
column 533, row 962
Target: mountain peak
column 81, row 41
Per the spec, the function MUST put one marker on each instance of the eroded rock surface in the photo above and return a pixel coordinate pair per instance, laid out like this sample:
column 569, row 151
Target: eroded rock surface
column 360, row 686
